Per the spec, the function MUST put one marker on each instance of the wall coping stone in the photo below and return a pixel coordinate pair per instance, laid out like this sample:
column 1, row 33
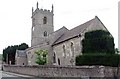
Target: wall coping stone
column 55, row 66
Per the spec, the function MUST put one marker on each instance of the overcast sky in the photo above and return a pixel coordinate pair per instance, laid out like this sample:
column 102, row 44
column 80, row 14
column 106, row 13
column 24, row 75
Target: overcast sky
column 15, row 17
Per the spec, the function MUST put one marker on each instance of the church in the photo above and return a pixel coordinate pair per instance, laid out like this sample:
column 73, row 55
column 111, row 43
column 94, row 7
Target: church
column 63, row 45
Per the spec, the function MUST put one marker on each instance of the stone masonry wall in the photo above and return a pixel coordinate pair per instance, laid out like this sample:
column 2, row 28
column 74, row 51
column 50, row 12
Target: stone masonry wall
column 64, row 71
column 66, row 59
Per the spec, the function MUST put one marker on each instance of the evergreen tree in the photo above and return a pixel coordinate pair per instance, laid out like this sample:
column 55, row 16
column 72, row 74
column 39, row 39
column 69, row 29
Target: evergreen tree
column 10, row 51
column 98, row 41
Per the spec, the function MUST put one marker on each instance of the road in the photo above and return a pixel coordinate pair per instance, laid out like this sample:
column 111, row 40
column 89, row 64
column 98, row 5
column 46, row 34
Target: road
column 9, row 75
column 5, row 74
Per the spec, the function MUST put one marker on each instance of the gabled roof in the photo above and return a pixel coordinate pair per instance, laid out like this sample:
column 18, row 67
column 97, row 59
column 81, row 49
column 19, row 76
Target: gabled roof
column 57, row 31
column 77, row 31
column 57, row 34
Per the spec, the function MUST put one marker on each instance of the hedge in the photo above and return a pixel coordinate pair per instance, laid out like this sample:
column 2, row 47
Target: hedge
column 98, row 59
column 96, row 34
column 98, row 41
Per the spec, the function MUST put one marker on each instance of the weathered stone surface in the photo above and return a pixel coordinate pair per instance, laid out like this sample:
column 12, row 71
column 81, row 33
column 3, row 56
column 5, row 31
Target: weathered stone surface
column 64, row 71
column 69, row 58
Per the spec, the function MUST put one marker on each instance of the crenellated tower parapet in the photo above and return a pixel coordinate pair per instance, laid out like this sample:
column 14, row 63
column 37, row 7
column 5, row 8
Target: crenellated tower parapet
column 43, row 11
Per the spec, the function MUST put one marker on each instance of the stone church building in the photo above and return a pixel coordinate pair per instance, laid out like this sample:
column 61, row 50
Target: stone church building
column 63, row 45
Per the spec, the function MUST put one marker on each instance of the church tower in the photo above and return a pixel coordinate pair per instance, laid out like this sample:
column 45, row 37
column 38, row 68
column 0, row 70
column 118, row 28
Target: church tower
column 42, row 25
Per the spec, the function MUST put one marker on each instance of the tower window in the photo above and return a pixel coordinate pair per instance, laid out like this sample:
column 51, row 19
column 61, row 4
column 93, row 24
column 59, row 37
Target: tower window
column 45, row 20
column 33, row 21
column 33, row 28
column 45, row 33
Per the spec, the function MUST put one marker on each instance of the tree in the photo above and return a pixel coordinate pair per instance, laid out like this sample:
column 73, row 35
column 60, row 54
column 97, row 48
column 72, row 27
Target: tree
column 98, row 41
column 23, row 46
column 98, row 49
column 10, row 52
column 41, row 58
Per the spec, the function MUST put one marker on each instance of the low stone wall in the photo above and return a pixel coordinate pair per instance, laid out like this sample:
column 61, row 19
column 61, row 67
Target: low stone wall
column 64, row 71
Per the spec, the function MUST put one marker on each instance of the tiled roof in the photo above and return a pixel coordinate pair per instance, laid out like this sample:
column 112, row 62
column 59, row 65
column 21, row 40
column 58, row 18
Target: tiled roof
column 79, row 29
column 59, row 30
column 58, row 34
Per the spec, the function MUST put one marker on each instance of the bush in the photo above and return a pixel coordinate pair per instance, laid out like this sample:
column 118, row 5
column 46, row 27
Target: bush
column 98, row 41
column 98, row 59
column 41, row 58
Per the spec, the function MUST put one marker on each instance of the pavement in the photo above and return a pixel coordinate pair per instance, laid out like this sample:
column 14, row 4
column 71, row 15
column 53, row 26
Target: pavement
column 9, row 75
column 14, row 74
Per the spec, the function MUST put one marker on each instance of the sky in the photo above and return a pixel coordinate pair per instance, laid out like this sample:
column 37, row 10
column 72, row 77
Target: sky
column 16, row 22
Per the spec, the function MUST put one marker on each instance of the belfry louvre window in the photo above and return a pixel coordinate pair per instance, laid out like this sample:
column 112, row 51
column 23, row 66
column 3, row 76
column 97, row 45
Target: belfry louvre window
column 45, row 20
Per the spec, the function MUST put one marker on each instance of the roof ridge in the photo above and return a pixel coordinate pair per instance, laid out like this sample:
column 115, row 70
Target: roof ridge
column 82, row 24
column 77, row 30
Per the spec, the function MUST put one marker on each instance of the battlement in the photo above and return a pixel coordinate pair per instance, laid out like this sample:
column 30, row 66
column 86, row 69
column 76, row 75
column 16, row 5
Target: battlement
column 41, row 10
column 44, row 10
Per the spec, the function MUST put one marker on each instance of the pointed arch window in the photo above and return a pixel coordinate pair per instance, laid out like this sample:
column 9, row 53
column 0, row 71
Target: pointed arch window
column 45, row 34
column 54, row 58
column 45, row 20
column 58, row 61
column 64, row 52
column 72, row 49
